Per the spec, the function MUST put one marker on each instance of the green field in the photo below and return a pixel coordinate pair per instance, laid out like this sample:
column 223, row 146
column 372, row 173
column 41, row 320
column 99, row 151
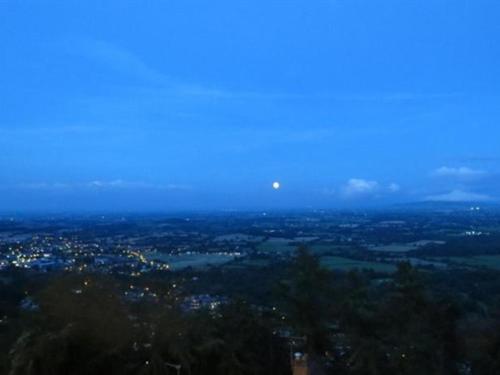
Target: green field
column 346, row 264
column 404, row 247
column 393, row 248
column 244, row 263
column 320, row 249
column 276, row 246
column 177, row 262
column 486, row 261
column 288, row 246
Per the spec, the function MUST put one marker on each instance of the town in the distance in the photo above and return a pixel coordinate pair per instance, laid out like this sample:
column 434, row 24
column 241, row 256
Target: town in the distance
column 430, row 237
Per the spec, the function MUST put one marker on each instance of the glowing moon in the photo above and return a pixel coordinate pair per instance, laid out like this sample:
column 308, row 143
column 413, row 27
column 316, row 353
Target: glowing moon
column 276, row 185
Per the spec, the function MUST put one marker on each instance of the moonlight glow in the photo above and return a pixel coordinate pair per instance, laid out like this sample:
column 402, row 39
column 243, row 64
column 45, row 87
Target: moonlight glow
column 276, row 185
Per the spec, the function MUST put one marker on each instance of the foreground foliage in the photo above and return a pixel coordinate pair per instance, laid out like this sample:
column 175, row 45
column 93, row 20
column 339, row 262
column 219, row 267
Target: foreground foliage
column 354, row 323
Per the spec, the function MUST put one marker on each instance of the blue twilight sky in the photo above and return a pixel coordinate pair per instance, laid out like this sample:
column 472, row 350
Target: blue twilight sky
column 180, row 104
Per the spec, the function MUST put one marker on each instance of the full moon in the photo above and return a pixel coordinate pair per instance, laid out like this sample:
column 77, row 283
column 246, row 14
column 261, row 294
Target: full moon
column 276, row 185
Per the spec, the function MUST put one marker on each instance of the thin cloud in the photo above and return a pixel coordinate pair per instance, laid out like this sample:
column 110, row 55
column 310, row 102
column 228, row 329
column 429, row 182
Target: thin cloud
column 121, row 184
column 125, row 61
column 359, row 186
column 394, row 188
column 459, row 172
column 98, row 185
column 118, row 59
column 39, row 186
column 363, row 188
column 459, row 196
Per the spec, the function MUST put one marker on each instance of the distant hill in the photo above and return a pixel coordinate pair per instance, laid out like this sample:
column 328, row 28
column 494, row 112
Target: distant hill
column 445, row 206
